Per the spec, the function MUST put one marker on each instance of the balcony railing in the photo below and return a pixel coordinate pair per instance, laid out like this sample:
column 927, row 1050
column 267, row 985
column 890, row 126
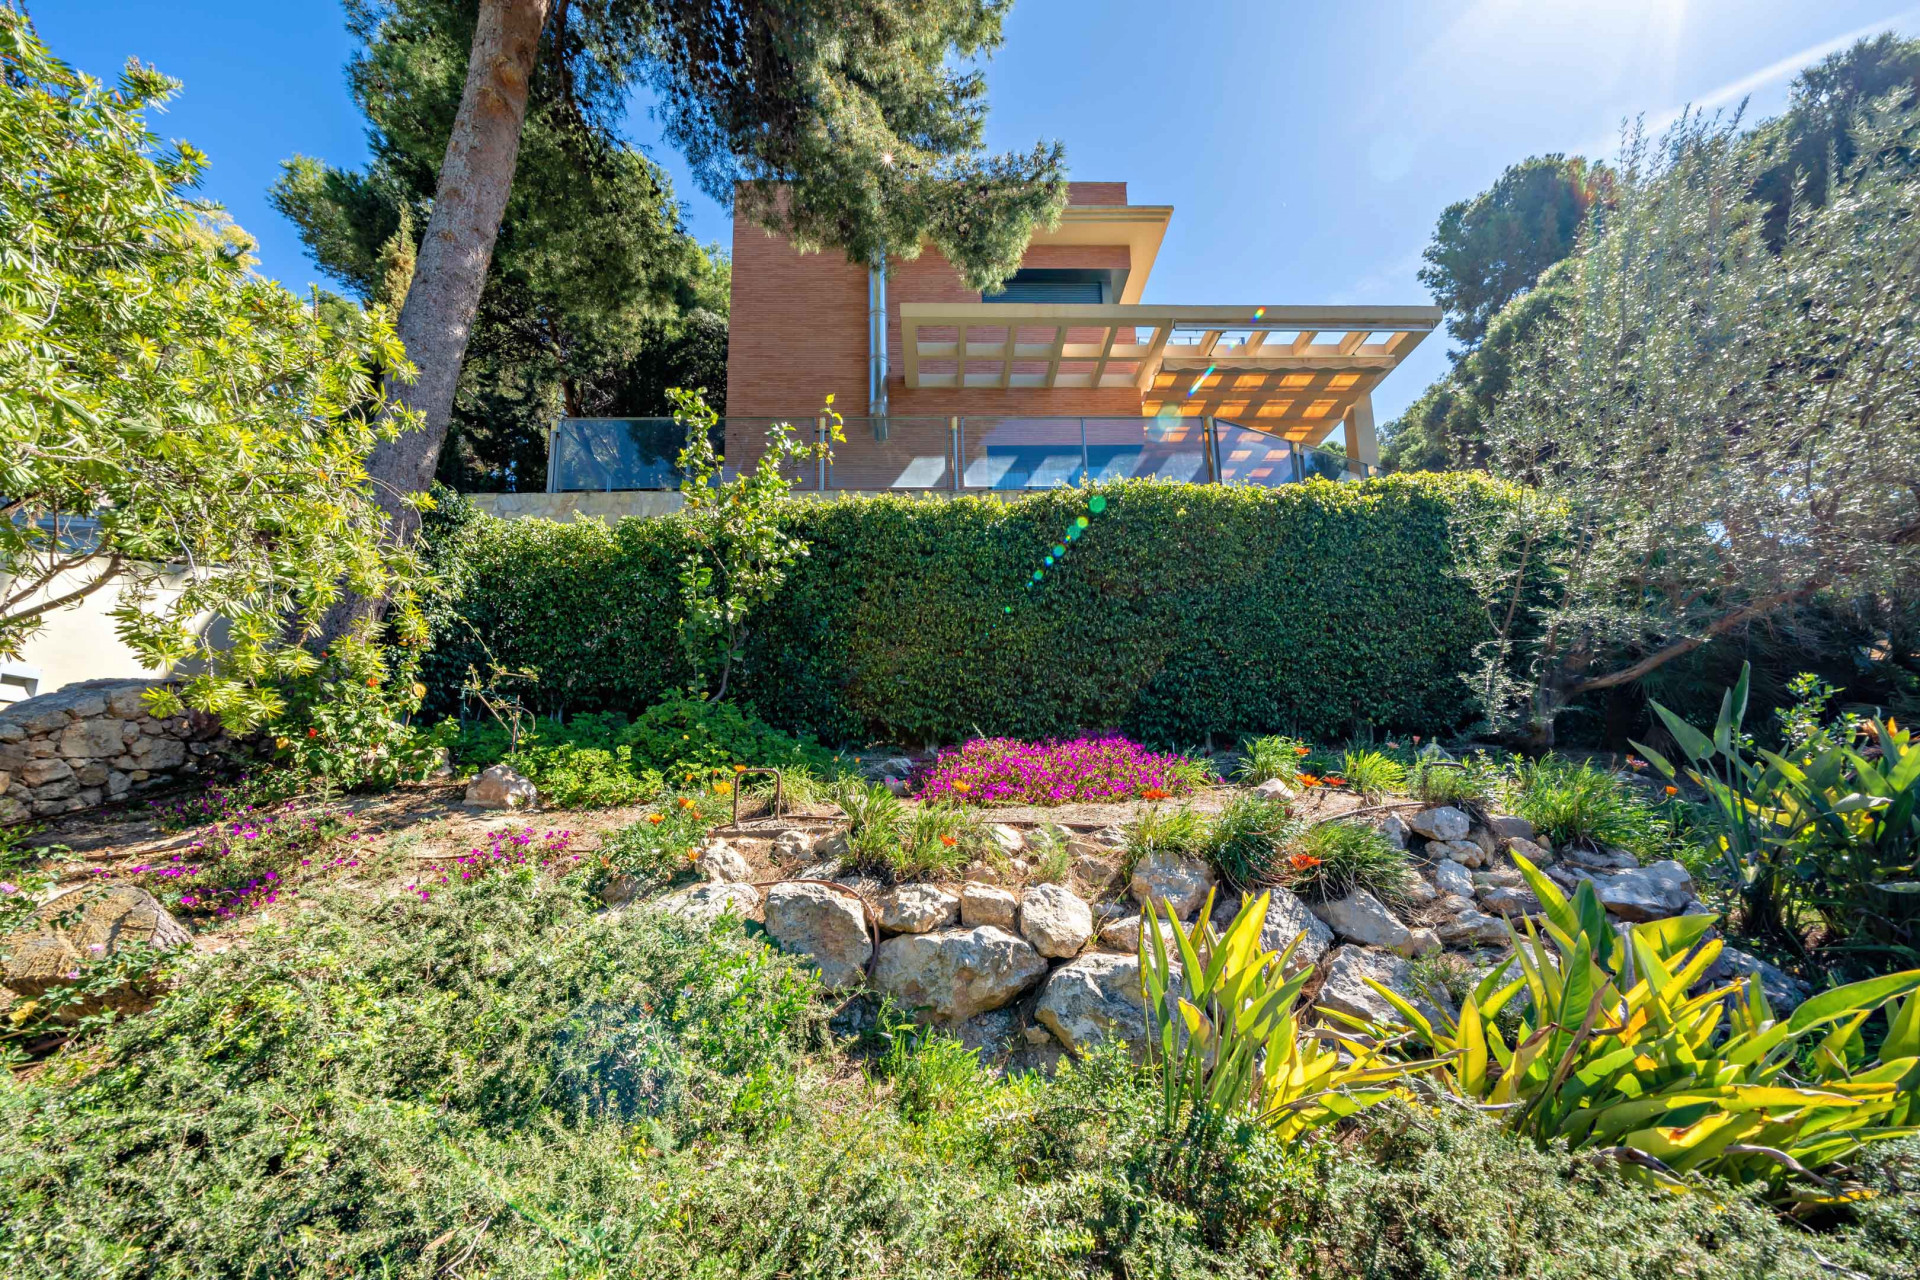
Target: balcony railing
column 970, row 454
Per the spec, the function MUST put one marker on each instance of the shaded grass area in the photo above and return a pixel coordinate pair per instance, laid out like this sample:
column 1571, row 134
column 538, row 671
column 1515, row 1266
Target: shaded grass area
column 503, row 1081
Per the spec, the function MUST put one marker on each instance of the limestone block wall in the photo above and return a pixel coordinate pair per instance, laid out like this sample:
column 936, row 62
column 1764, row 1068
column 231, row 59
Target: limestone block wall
column 93, row 742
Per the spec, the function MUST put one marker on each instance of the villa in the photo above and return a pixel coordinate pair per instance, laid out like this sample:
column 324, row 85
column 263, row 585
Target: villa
column 1062, row 376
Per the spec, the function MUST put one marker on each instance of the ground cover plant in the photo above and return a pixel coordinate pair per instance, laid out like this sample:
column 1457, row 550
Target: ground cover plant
column 1586, row 803
column 988, row 771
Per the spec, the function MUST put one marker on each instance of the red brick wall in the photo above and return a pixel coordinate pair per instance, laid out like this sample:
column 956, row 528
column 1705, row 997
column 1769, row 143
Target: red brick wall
column 798, row 331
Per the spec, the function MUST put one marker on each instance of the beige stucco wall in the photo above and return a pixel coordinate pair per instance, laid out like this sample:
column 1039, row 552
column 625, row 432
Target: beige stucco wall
column 78, row 642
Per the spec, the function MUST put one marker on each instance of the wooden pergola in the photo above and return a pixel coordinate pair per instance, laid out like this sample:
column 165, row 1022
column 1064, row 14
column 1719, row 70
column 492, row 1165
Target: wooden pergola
column 1294, row 371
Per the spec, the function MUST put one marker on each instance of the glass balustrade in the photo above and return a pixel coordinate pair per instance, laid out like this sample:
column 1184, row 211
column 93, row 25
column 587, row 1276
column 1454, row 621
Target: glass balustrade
column 974, row 452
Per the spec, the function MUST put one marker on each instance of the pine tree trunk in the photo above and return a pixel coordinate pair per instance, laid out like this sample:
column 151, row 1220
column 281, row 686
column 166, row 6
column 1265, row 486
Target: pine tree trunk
column 451, row 269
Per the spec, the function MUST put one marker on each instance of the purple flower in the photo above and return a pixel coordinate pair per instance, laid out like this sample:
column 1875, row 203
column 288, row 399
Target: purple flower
column 8, row 889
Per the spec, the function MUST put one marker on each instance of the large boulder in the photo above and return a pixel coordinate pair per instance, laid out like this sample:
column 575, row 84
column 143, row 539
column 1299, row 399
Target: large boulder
column 1470, row 928
column 1452, row 877
column 1442, row 823
column 1507, row 827
column 826, row 926
column 1287, row 918
column 705, row 903
column 1465, row 852
column 1167, row 878
column 918, row 908
column 1646, row 893
column 986, row 904
column 1345, row 990
column 1509, row 900
column 722, row 862
column 1123, row 935
column 1538, row 854
column 500, row 787
column 1093, row 999
column 954, row 974
column 1055, row 920
column 1361, row 917
column 83, row 926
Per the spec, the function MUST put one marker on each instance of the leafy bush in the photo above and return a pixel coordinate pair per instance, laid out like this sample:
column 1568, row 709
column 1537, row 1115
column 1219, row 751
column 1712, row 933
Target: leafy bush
column 1332, row 859
column 1243, row 842
column 897, row 623
column 1820, row 824
column 1372, row 774
column 660, row 845
column 1585, row 803
column 988, row 771
column 1465, row 784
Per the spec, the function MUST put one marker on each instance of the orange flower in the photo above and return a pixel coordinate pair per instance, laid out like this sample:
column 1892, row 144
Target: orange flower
column 1303, row 862
column 1153, row 793
column 1673, row 791
column 1308, row 780
column 1336, row 782
column 685, row 803
column 739, row 768
column 656, row 818
column 948, row 841
column 373, row 682
column 1301, row 751
column 962, row 787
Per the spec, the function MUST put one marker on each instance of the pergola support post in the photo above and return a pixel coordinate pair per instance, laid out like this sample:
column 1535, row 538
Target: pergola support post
column 1363, row 446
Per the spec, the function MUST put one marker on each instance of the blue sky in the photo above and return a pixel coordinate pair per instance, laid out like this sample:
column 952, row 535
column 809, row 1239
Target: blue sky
column 1306, row 148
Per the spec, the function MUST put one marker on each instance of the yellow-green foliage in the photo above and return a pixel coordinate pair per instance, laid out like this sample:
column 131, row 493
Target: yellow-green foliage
column 1613, row 1055
column 1181, row 609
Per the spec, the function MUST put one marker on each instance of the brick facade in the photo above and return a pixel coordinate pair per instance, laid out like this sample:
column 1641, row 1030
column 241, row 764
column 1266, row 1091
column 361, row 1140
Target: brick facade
column 798, row 331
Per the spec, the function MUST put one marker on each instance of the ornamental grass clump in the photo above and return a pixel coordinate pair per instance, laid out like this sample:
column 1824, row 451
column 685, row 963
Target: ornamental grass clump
column 989, row 771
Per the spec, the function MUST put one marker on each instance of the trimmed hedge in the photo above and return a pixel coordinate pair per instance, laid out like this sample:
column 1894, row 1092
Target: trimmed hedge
column 1181, row 610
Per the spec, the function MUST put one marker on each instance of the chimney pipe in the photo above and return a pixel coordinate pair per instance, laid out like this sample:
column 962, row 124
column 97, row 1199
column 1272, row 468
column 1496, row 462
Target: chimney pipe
column 877, row 344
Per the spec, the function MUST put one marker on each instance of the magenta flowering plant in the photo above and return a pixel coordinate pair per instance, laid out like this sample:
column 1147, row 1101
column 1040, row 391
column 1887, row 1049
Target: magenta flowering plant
column 993, row 771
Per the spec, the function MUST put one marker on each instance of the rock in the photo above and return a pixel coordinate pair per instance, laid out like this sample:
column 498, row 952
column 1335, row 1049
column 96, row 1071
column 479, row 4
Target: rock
column 1123, row 935
column 1499, row 878
column 1166, row 878
column 826, row 926
column 1464, row 852
column 1538, row 854
column 1287, row 918
column 1454, row 903
column 1450, row 877
column 898, row 786
column 793, row 844
column 1094, row 999
column 982, row 873
column 993, row 1032
column 1361, row 917
column 1419, row 893
column 166, row 753
column 1784, row 992
column 1008, row 838
column 1599, row 859
column 1395, row 829
column 1275, row 789
column 499, row 787
column 1425, row 942
column 722, row 862
column 1110, row 837
column 1504, row 900
column 707, row 902
column 891, row 767
column 955, row 974
column 1056, row 921
column 86, row 925
column 1511, row 828
column 1471, row 926
column 86, row 739
column 1442, row 823
column 1345, row 990
column 1646, row 893
column 918, row 908
column 1484, row 840
column 984, row 904
column 38, row 773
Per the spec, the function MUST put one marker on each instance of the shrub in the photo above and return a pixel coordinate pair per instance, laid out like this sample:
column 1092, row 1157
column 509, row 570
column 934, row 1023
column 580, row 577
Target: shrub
column 1270, row 758
column 897, row 623
column 1244, row 841
column 900, row 841
column 988, row 771
column 1332, row 859
column 1372, row 774
column 1180, row 832
column 1585, row 803
column 660, row 845
column 1466, row 784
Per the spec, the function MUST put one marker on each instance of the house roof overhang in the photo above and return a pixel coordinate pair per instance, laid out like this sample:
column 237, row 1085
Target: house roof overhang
column 1295, row 371
column 1140, row 227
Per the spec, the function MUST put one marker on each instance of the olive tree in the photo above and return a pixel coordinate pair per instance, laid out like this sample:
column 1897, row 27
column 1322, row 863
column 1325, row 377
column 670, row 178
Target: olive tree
column 1719, row 432
column 174, row 429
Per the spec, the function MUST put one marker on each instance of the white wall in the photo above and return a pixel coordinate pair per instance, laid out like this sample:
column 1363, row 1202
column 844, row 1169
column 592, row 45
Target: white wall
column 77, row 643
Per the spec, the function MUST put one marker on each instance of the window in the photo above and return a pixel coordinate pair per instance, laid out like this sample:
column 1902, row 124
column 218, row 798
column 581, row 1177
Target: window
column 1056, row 284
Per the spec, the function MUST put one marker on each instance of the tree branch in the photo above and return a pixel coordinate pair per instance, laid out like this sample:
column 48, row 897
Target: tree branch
column 1679, row 648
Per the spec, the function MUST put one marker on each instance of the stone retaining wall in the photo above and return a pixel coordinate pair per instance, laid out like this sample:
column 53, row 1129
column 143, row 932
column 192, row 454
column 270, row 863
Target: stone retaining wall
column 93, row 742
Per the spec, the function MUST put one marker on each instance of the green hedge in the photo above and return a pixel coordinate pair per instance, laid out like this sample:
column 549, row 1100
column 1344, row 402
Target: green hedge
column 1181, row 610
